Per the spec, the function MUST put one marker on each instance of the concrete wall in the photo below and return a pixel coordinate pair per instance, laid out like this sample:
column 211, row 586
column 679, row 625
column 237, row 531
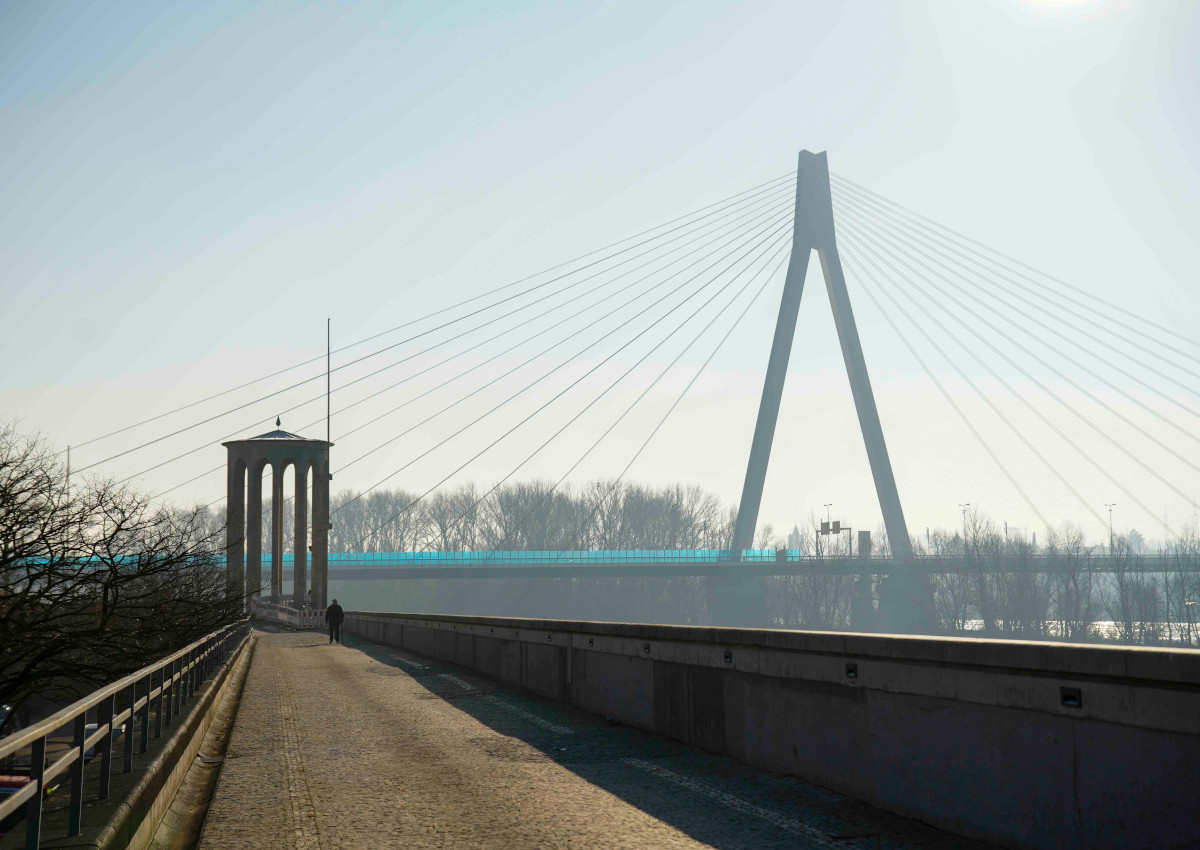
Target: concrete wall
column 1027, row 744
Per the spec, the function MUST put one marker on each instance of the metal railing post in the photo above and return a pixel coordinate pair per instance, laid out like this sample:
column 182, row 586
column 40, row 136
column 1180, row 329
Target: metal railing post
column 130, row 726
column 176, row 682
column 33, row 809
column 158, row 704
column 104, row 715
column 75, row 815
column 164, row 709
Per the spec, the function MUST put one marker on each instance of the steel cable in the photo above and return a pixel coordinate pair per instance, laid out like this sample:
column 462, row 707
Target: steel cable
column 617, row 480
column 754, row 212
column 1061, row 375
column 945, row 262
column 1033, row 409
column 411, row 322
column 356, row 361
column 569, row 336
column 552, row 400
column 644, row 392
column 944, row 330
column 989, row 252
column 864, row 275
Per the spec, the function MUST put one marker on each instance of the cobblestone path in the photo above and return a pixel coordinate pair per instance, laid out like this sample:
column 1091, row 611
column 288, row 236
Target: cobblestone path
column 366, row 746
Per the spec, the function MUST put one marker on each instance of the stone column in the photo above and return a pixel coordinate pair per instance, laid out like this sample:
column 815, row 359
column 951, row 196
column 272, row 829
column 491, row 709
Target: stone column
column 320, row 532
column 235, row 526
column 300, row 538
column 276, row 531
column 254, row 531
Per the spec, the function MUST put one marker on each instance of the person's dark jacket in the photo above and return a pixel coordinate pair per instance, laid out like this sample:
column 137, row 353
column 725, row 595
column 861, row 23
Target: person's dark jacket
column 334, row 615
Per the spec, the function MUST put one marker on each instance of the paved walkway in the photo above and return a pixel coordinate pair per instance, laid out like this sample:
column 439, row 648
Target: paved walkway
column 366, row 746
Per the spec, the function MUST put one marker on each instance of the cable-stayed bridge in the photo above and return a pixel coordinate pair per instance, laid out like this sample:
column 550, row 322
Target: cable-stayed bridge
column 467, row 727
column 528, row 364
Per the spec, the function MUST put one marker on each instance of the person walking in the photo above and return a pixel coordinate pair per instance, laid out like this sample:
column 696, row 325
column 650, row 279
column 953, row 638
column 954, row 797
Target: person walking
column 334, row 616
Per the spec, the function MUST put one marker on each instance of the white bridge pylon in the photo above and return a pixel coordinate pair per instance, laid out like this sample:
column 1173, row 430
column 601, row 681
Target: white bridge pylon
column 813, row 230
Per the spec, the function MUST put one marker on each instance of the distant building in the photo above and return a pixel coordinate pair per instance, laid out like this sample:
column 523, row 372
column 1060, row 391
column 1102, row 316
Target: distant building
column 795, row 540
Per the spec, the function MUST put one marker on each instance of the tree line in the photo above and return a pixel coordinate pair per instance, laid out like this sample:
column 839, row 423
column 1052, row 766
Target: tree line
column 1064, row 589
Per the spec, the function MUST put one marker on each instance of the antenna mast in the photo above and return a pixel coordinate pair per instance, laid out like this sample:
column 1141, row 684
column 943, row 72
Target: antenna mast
column 328, row 432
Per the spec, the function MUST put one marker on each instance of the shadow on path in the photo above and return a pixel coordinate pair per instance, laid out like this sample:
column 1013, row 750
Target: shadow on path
column 713, row 799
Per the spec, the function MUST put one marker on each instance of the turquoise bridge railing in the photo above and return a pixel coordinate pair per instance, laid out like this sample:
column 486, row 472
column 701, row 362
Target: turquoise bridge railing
column 360, row 560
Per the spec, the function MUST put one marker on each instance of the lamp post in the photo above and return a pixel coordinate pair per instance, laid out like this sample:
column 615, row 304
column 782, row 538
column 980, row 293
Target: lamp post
column 964, row 506
column 1110, row 506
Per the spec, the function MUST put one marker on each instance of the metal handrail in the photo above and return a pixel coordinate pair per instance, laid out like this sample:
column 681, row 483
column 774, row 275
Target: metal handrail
column 304, row 618
column 179, row 676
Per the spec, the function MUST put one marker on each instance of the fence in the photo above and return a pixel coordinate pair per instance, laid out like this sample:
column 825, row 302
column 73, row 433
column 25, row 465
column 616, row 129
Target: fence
column 307, row 618
column 167, row 685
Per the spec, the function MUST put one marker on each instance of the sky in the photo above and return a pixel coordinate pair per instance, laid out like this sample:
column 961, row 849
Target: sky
column 188, row 191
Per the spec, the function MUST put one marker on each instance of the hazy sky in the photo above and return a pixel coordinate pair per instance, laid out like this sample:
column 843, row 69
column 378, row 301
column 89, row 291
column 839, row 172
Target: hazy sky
column 188, row 190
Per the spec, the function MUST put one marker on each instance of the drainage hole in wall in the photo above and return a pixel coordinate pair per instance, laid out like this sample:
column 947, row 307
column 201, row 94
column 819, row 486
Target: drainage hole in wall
column 728, row 656
column 851, row 671
column 1071, row 697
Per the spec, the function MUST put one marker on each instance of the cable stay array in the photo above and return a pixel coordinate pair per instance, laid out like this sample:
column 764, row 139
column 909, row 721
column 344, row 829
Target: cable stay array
column 938, row 280
column 1043, row 281
column 777, row 203
column 773, row 214
column 908, row 260
column 192, row 425
column 725, row 201
column 612, row 486
column 778, row 236
column 775, row 229
column 1002, row 284
column 519, row 368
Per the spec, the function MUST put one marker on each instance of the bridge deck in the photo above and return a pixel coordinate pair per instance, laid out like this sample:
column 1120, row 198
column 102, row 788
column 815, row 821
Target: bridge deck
column 363, row 746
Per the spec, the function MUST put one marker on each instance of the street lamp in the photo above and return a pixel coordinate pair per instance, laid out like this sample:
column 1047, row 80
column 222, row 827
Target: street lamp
column 828, row 512
column 964, row 506
column 1110, row 506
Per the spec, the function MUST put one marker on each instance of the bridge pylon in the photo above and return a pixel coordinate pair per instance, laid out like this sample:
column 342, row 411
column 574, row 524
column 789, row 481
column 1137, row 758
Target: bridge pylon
column 741, row 601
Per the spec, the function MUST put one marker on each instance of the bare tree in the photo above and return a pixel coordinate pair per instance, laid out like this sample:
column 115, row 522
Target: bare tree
column 1182, row 590
column 950, row 589
column 95, row 581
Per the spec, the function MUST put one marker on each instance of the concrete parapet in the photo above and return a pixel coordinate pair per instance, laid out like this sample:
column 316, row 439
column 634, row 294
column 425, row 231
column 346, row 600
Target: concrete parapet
column 1026, row 744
